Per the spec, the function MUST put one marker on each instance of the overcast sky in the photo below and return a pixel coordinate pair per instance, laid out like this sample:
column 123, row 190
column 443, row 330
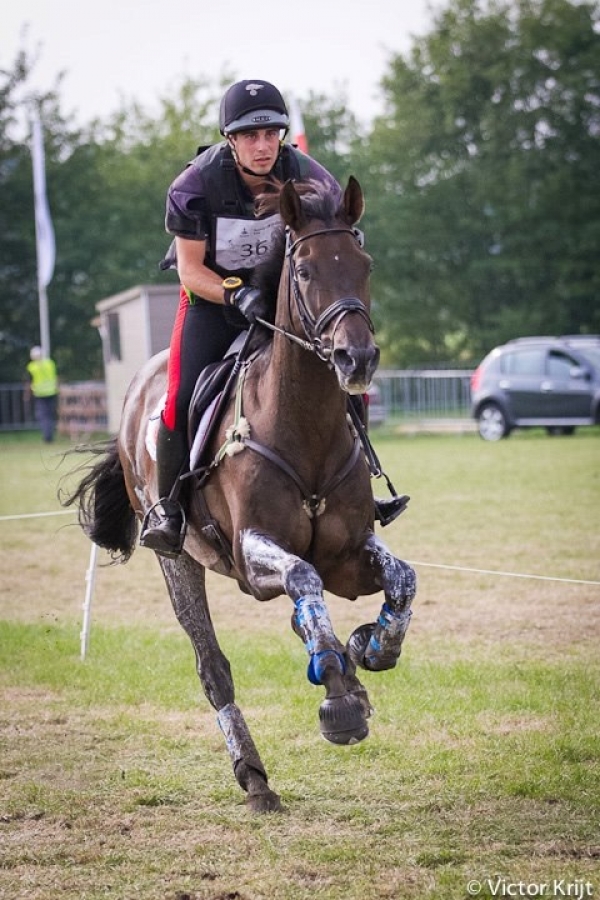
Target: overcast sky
column 114, row 50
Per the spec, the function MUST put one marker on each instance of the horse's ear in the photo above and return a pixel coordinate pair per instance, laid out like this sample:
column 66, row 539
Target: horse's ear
column 291, row 208
column 354, row 201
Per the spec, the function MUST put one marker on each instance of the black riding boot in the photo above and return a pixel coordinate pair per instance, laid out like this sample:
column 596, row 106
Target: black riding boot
column 385, row 510
column 388, row 510
column 166, row 537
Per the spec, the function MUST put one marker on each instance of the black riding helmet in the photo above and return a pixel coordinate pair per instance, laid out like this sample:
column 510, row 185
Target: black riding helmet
column 251, row 104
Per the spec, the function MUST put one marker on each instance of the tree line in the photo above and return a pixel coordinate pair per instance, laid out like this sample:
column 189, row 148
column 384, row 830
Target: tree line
column 481, row 180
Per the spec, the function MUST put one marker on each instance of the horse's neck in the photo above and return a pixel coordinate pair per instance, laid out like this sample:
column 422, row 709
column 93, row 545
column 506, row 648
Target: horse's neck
column 304, row 390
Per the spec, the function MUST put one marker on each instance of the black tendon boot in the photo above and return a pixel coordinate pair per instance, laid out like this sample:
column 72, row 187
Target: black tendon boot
column 167, row 535
column 385, row 510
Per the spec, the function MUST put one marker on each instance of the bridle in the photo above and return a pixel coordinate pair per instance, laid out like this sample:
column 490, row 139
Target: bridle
column 314, row 327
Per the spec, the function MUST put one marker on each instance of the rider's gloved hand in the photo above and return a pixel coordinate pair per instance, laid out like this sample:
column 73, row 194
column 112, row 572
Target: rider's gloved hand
column 248, row 300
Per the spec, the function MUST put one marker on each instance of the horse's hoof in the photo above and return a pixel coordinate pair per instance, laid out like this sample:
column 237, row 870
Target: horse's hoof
column 358, row 643
column 365, row 703
column 342, row 721
column 265, row 802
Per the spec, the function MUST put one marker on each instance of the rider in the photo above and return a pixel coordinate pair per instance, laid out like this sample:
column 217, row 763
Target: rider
column 218, row 243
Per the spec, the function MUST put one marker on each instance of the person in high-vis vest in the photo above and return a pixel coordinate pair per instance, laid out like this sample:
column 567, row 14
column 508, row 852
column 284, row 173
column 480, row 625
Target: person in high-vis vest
column 44, row 387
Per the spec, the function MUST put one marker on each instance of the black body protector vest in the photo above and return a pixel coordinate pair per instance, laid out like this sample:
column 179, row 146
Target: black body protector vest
column 238, row 241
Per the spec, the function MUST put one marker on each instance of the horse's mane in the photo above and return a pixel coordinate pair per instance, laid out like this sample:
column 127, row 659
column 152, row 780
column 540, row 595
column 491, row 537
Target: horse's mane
column 318, row 202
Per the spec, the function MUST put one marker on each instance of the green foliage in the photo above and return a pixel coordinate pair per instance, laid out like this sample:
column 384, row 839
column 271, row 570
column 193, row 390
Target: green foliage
column 481, row 182
column 485, row 170
column 106, row 191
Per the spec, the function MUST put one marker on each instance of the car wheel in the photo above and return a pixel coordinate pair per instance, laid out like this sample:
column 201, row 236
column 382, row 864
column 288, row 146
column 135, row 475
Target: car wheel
column 492, row 423
column 560, row 429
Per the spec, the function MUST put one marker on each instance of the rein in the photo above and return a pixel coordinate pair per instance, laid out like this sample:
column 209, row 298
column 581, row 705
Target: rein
column 238, row 436
column 313, row 327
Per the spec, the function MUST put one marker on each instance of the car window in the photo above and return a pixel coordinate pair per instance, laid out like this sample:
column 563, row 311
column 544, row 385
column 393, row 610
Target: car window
column 591, row 354
column 524, row 362
column 558, row 365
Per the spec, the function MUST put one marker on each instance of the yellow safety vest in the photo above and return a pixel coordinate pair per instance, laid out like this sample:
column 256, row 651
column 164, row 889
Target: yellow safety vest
column 44, row 382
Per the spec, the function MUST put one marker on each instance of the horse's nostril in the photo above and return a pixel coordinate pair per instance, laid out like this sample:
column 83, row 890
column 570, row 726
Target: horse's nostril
column 343, row 361
column 355, row 361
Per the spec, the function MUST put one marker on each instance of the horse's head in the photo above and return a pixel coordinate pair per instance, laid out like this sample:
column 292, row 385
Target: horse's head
column 328, row 280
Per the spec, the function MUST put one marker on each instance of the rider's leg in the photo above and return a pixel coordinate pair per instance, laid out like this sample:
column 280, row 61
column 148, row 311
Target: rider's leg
column 201, row 335
column 171, row 457
column 385, row 510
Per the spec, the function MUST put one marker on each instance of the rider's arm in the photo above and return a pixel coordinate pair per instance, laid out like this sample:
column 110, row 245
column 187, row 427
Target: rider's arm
column 193, row 274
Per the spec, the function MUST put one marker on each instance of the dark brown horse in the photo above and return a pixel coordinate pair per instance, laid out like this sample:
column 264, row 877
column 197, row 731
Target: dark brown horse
column 289, row 488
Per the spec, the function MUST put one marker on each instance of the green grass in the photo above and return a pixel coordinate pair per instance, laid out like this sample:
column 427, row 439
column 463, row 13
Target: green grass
column 471, row 769
column 483, row 760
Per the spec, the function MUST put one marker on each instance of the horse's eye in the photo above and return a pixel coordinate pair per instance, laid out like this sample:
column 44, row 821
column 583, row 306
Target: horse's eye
column 303, row 273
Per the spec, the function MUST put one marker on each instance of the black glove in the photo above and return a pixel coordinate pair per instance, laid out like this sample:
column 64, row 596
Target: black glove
column 249, row 301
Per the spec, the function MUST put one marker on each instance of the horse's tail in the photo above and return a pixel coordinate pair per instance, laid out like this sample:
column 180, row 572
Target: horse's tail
column 104, row 510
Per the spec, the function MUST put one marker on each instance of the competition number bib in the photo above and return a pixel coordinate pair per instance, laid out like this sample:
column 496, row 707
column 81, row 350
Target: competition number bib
column 243, row 243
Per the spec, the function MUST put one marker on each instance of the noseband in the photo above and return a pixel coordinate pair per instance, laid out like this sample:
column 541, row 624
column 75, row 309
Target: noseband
column 314, row 327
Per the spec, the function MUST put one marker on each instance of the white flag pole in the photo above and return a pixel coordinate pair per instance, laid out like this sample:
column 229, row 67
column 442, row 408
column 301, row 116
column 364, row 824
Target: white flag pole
column 44, row 232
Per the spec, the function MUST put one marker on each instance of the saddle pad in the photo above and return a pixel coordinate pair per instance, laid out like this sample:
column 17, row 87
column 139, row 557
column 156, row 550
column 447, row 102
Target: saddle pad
column 203, row 426
column 152, row 427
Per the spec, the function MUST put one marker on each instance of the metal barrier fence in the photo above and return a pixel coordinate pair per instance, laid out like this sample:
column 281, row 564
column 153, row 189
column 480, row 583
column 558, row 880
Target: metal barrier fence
column 401, row 393
column 16, row 408
column 425, row 393
column 81, row 408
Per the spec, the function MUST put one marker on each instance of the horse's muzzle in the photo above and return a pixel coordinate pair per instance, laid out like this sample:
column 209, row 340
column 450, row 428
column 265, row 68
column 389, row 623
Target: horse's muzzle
column 355, row 367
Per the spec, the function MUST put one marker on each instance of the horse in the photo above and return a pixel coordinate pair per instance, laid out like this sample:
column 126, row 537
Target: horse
column 287, row 491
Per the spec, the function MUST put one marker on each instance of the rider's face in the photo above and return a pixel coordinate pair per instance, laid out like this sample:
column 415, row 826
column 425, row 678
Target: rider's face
column 257, row 150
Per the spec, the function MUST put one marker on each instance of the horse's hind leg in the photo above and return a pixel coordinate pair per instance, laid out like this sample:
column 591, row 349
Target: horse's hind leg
column 185, row 580
column 377, row 646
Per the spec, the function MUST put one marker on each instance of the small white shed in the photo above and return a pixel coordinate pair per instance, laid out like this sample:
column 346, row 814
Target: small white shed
column 134, row 325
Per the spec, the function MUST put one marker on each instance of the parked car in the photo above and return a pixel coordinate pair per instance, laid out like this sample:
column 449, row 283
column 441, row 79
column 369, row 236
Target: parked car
column 553, row 382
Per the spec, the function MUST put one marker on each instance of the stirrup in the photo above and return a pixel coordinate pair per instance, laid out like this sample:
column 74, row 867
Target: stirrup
column 386, row 511
column 156, row 539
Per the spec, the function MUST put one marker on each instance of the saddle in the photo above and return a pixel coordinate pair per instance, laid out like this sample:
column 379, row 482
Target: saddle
column 214, row 388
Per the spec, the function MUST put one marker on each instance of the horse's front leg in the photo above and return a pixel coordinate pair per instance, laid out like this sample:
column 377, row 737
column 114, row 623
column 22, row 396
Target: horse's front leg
column 377, row 645
column 271, row 570
column 185, row 581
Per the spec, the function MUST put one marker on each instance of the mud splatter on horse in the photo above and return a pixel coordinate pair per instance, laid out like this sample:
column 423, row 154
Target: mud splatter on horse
column 291, row 512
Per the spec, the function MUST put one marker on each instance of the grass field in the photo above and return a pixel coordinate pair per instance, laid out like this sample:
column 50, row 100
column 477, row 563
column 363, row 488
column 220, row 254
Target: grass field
column 481, row 775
